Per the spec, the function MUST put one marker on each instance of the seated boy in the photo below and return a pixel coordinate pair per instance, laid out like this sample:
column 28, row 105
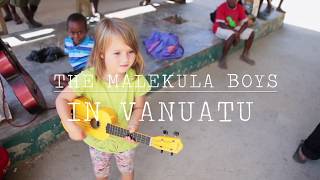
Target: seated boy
column 231, row 25
column 78, row 46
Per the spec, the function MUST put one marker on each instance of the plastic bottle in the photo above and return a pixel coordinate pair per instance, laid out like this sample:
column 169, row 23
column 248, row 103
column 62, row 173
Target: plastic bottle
column 231, row 22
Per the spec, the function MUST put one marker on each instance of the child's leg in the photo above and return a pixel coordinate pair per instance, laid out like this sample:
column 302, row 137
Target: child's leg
column 279, row 7
column 8, row 16
column 269, row 4
column 101, row 163
column 16, row 17
column 125, row 164
column 3, row 25
column 104, row 178
column 33, row 9
column 127, row 176
column 248, row 36
column 28, row 14
column 229, row 37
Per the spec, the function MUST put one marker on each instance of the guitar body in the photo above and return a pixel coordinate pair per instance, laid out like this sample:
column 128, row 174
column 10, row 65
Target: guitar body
column 8, row 68
column 93, row 122
column 22, row 84
column 101, row 122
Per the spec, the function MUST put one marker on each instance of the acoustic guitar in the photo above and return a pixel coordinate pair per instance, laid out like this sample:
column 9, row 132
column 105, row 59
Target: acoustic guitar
column 23, row 86
column 103, row 123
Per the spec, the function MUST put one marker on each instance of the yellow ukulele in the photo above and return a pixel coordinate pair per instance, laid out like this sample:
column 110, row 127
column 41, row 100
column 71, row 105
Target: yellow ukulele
column 85, row 114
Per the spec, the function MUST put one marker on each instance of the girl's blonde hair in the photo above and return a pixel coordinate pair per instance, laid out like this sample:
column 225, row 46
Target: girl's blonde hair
column 106, row 29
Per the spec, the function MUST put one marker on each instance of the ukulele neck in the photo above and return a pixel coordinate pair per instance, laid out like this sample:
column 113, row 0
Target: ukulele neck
column 121, row 132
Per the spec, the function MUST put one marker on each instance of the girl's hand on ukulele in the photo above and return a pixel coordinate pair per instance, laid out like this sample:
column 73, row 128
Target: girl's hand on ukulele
column 130, row 137
column 77, row 134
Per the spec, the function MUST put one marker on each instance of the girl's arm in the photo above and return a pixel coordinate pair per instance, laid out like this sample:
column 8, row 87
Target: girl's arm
column 136, row 113
column 63, row 109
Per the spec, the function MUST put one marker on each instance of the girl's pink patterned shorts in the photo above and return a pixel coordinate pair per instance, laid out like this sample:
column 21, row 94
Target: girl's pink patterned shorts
column 101, row 162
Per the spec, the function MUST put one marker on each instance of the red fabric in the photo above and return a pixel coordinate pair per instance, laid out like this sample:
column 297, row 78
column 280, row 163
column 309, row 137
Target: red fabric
column 223, row 11
column 4, row 160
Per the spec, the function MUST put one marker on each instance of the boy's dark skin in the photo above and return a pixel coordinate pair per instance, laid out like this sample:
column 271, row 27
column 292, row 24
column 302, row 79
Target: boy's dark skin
column 11, row 13
column 269, row 9
column 234, row 40
column 28, row 13
column 279, row 7
column 269, row 6
column 77, row 31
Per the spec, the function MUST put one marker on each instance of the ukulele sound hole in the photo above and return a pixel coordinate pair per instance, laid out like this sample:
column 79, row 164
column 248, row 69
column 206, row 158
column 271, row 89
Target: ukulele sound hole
column 94, row 123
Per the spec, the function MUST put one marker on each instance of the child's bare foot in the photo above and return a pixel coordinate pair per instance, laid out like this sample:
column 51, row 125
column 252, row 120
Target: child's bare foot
column 280, row 10
column 247, row 60
column 223, row 64
column 8, row 18
column 34, row 24
column 17, row 19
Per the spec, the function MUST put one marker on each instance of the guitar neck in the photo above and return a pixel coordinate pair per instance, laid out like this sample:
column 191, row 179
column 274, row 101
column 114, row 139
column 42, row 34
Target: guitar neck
column 121, row 132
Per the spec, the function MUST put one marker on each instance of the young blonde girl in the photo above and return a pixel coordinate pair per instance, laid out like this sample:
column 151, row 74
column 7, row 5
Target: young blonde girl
column 115, row 64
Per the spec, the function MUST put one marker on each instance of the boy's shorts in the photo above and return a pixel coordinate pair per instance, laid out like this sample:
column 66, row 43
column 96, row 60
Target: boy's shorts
column 101, row 162
column 226, row 33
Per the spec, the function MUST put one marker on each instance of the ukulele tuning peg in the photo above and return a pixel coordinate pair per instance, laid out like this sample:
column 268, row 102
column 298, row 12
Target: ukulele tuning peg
column 176, row 133
column 165, row 132
column 171, row 154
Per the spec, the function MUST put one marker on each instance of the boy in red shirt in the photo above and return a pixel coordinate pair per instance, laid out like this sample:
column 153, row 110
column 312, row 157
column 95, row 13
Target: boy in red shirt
column 231, row 25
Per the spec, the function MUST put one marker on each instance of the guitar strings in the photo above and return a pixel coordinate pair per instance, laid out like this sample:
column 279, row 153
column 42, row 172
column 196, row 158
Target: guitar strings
column 115, row 130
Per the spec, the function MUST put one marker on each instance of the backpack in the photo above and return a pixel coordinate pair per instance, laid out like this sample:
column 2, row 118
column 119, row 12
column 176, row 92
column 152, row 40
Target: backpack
column 162, row 46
